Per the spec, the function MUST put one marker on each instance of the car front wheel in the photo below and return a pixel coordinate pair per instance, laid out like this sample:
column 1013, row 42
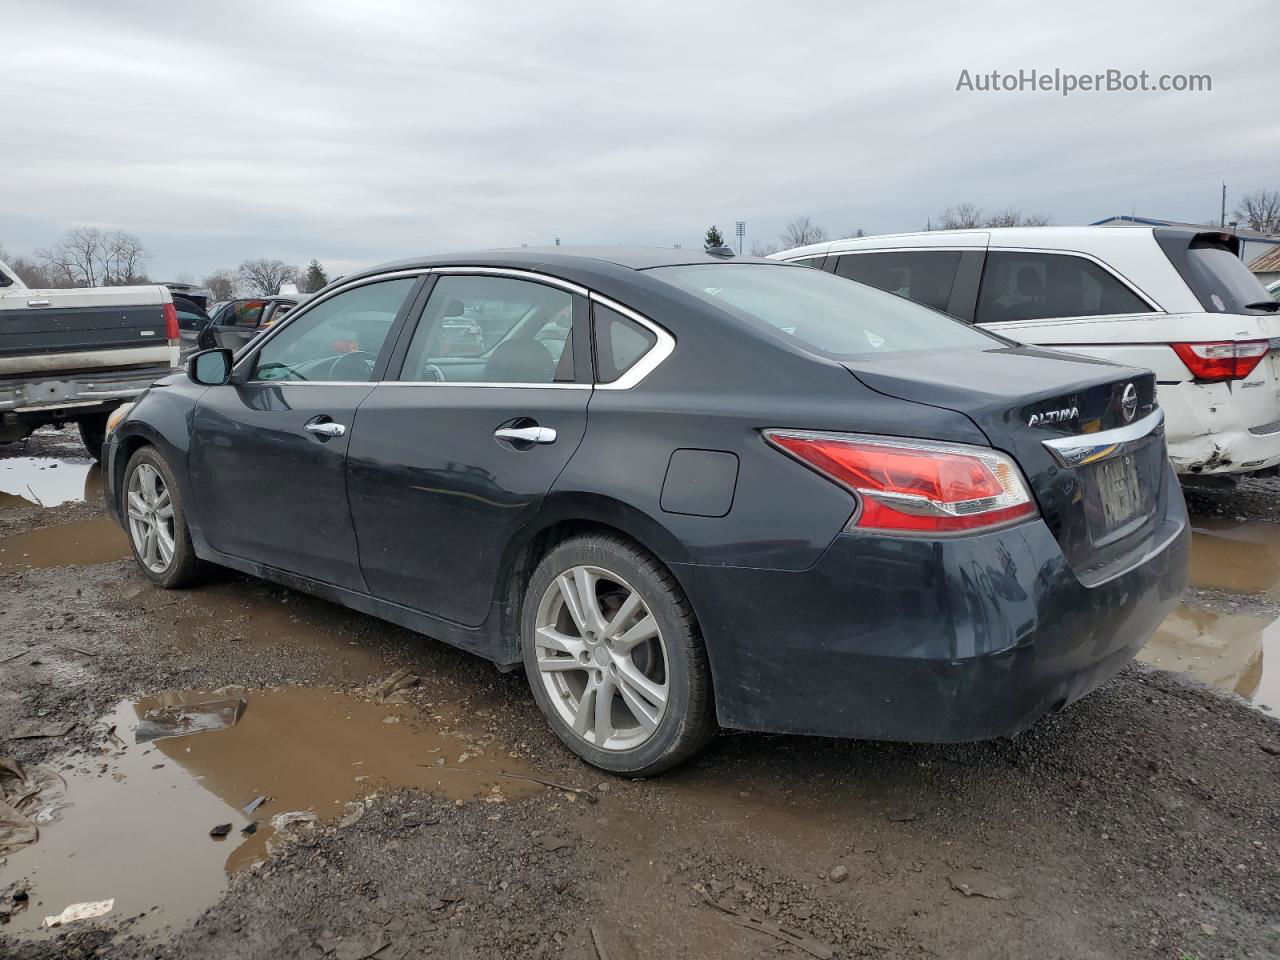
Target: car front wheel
column 154, row 518
column 614, row 658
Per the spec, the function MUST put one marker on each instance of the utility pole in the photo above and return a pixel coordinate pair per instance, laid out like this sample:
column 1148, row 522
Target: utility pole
column 740, row 227
column 1222, row 222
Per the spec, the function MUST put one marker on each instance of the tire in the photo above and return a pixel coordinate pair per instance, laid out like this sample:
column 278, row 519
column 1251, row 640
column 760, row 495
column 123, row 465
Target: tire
column 163, row 512
column 93, row 431
column 574, row 656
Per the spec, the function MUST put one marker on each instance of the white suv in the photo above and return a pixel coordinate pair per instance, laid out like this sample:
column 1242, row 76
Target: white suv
column 1177, row 301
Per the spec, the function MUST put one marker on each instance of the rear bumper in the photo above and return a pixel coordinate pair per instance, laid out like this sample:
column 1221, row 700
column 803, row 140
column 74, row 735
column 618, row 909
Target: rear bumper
column 66, row 396
column 1206, row 432
column 932, row 641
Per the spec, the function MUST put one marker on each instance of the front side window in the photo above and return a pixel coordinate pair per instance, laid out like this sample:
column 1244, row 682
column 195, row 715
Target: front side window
column 822, row 311
column 242, row 313
column 923, row 276
column 337, row 339
column 1042, row 286
column 478, row 329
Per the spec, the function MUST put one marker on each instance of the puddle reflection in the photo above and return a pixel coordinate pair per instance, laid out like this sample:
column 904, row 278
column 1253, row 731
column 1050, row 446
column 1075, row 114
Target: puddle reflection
column 1242, row 557
column 64, row 545
column 139, row 821
column 1237, row 652
column 48, row 481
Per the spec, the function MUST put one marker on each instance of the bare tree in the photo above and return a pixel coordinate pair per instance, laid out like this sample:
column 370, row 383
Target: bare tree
column 263, row 277
column 963, row 216
column 801, row 231
column 1260, row 210
column 122, row 258
column 1010, row 217
column 221, row 283
column 1037, row 220
column 88, row 257
column 764, row 249
column 77, row 257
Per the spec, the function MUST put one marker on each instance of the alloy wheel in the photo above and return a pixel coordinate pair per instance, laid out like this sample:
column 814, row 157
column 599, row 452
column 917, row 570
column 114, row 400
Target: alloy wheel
column 151, row 520
column 601, row 658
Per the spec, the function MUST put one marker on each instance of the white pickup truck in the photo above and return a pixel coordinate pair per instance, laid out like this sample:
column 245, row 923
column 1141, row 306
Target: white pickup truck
column 73, row 356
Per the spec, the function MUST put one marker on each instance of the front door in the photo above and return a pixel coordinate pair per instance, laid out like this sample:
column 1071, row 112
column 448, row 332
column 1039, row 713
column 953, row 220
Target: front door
column 450, row 460
column 268, row 451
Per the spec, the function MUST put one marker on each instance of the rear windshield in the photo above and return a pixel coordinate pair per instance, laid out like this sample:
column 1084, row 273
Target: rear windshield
column 1218, row 278
column 834, row 316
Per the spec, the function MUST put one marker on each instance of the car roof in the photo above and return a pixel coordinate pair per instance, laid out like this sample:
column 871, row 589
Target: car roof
column 573, row 259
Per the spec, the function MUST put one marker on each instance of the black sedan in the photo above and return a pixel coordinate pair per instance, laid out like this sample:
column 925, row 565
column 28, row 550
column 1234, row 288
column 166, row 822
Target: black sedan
column 683, row 489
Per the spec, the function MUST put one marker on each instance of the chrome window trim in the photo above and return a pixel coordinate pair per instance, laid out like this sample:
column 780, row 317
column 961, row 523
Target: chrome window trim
column 515, row 274
column 1095, row 447
column 260, row 341
column 649, row 361
column 483, row 383
column 662, row 348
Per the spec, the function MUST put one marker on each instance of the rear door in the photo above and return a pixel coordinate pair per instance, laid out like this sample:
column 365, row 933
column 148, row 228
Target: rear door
column 451, row 458
column 269, row 450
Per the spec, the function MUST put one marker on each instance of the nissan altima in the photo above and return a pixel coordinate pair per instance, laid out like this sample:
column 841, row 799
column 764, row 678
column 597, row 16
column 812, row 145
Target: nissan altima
column 683, row 490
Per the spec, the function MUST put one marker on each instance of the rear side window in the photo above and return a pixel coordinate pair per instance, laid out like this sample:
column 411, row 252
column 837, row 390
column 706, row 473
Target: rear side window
column 620, row 343
column 822, row 311
column 1041, row 286
column 480, row 329
column 924, row 277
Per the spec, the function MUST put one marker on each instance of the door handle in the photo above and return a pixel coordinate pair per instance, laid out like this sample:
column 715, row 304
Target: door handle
column 39, row 303
column 326, row 429
column 526, row 434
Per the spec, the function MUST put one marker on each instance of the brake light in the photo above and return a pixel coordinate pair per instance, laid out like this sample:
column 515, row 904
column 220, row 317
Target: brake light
column 171, row 322
column 1222, row 360
column 910, row 486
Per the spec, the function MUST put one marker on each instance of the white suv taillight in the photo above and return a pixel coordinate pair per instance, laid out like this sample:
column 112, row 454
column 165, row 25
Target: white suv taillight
column 915, row 486
column 1223, row 359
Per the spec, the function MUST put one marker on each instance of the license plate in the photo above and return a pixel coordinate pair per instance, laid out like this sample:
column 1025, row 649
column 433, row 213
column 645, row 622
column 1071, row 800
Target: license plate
column 1120, row 491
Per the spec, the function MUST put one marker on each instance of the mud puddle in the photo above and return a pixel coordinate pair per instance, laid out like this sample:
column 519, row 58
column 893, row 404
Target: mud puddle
column 63, row 545
column 137, row 825
column 1240, row 556
column 48, row 481
column 1231, row 651
column 254, row 615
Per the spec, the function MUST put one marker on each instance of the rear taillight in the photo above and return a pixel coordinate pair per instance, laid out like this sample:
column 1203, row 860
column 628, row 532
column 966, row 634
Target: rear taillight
column 910, row 486
column 1222, row 360
column 171, row 322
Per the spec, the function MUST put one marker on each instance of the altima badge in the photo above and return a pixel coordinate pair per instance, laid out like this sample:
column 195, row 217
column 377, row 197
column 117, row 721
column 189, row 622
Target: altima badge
column 1053, row 416
column 1129, row 402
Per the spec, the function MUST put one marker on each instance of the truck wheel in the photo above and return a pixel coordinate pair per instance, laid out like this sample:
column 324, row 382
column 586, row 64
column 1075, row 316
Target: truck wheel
column 157, row 525
column 93, row 431
column 614, row 657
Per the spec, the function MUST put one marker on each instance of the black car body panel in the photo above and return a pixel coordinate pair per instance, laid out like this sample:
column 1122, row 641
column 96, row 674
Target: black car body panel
column 420, row 516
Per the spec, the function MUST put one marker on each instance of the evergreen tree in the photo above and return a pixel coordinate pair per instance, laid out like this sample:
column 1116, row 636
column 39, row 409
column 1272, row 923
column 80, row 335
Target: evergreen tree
column 314, row 278
column 714, row 237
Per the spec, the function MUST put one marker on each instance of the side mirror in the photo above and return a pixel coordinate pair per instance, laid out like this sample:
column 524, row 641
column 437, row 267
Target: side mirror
column 210, row 368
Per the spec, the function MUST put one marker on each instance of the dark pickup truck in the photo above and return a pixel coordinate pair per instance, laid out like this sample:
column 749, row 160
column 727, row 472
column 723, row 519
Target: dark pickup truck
column 73, row 356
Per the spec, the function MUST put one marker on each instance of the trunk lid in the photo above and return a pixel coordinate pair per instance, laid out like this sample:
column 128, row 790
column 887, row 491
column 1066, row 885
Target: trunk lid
column 1022, row 396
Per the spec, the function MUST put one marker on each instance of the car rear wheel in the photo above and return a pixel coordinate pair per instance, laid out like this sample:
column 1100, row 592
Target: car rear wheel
column 614, row 658
column 154, row 519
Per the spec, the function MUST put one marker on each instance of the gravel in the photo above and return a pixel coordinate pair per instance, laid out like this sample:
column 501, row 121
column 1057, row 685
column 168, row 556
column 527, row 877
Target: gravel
column 1143, row 821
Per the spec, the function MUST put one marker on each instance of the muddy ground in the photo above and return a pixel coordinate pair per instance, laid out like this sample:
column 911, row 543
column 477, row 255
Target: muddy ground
column 1143, row 821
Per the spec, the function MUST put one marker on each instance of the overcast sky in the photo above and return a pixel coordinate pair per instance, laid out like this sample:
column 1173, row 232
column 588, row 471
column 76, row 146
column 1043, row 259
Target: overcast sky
column 370, row 130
